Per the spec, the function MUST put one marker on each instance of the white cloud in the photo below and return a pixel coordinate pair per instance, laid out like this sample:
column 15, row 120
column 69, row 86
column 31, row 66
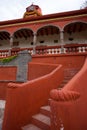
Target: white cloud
column 13, row 9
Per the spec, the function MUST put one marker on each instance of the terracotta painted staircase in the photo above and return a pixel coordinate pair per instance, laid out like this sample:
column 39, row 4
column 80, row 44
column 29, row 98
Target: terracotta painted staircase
column 41, row 121
column 68, row 75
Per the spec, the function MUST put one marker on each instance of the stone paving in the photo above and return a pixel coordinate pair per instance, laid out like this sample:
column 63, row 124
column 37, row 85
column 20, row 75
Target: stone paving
column 2, row 107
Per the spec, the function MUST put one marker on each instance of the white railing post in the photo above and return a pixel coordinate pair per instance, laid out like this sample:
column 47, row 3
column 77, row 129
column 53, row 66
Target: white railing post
column 79, row 48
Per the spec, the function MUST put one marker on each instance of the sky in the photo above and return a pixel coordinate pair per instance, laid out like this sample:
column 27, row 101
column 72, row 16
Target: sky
column 14, row 9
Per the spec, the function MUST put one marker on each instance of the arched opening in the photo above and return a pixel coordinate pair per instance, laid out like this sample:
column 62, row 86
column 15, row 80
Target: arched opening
column 75, row 33
column 48, row 36
column 23, row 38
column 4, row 40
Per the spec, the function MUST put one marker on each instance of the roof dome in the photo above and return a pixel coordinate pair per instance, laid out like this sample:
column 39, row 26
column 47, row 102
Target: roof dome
column 32, row 10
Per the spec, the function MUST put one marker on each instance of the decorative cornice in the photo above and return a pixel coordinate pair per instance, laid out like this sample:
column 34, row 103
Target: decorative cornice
column 61, row 95
column 40, row 20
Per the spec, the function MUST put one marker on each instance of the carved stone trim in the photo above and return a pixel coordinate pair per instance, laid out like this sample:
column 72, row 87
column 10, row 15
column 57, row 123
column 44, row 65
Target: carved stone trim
column 61, row 95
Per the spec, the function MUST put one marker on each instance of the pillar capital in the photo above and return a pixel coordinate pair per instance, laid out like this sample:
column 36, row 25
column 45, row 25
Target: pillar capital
column 11, row 36
column 61, row 31
column 35, row 33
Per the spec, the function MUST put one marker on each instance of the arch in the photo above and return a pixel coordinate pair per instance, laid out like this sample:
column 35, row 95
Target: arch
column 4, row 40
column 48, row 35
column 73, row 23
column 23, row 32
column 48, row 25
column 19, row 29
column 23, row 38
column 4, row 34
column 4, row 31
column 75, row 32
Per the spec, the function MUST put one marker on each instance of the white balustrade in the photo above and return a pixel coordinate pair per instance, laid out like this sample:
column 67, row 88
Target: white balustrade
column 57, row 50
column 83, row 49
column 49, row 51
column 53, row 51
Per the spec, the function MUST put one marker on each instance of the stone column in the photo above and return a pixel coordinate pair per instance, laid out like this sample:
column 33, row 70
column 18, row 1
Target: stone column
column 11, row 44
column 34, row 42
column 62, row 40
column 22, row 66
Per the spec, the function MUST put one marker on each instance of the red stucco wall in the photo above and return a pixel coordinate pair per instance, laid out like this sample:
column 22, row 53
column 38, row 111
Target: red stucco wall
column 28, row 97
column 25, row 100
column 34, row 25
column 67, row 60
column 8, row 73
column 39, row 69
column 3, row 89
column 72, row 111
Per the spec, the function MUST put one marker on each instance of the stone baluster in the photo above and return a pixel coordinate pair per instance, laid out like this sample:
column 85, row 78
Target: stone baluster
column 79, row 49
column 59, row 50
column 83, row 49
column 56, row 51
column 49, row 51
column 53, row 51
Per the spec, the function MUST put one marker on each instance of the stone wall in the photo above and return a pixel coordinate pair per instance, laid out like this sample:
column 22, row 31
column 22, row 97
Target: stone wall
column 21, row 62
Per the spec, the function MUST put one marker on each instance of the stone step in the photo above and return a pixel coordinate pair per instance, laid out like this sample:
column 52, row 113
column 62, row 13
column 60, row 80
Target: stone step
column 30, row 127
column 45, row 110
column 68, row 75
column 41, row 121
column 70, row 72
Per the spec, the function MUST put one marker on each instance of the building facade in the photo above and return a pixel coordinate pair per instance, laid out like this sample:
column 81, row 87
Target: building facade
column 52, row 77
column 37, row 30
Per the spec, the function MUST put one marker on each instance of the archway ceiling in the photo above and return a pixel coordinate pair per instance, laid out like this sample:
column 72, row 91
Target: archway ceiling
column 75, row 27
column 47, row 30
column 4, row 36
column 23, row 33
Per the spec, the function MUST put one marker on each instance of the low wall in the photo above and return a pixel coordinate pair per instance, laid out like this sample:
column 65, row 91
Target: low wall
column 72, row 60
column 36, row 70
column 8, row 72
column 69, row 105
column 24, row 100
column 3, row 90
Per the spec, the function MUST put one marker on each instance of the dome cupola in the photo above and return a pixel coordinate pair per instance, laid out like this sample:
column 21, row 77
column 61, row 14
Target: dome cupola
column 32, row 10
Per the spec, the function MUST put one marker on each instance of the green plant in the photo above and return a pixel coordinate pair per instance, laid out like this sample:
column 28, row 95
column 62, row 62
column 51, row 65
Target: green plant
column 8, row 59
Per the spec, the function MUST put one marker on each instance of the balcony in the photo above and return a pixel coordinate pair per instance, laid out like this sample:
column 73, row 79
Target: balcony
column 48, row 50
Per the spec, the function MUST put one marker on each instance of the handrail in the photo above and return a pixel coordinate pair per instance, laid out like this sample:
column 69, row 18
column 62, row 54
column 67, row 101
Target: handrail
column 71, row 100
column 26, row 99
